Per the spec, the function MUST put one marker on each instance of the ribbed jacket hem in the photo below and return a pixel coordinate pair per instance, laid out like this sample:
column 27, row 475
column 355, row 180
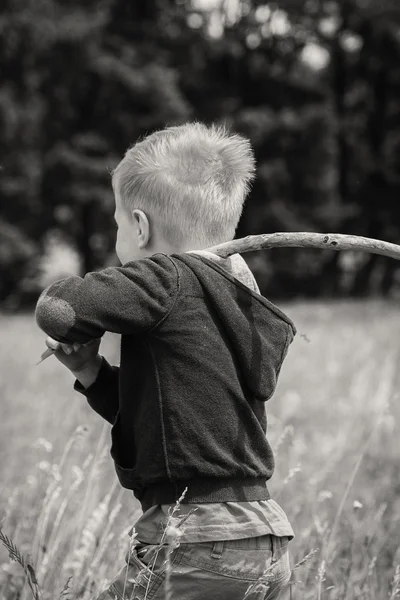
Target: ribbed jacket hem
column 204, row 490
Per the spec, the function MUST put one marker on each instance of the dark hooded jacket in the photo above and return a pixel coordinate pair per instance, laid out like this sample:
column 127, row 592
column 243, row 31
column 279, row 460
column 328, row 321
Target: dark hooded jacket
column 200, row 355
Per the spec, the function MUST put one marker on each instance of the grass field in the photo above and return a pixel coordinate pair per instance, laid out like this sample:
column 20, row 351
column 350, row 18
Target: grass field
column 333, row 424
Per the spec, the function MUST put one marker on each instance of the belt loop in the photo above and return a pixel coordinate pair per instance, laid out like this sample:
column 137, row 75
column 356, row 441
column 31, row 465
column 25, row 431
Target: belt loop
column 274, row 547
column 217, row 549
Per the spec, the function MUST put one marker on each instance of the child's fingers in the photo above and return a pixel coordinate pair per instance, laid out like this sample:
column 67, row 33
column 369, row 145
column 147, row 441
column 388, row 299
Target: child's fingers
column 52, row 344
column 67, row 348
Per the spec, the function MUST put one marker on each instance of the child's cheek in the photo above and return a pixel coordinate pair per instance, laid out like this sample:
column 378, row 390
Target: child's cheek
column 123, row 248
column 119, row 249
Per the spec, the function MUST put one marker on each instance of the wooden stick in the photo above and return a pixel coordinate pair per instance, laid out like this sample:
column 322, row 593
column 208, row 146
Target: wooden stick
column 329, row 241
column 305, row 239
column 45, row 355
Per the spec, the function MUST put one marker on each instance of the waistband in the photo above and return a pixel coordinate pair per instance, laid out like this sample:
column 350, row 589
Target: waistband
column 206, row 489
column 277, row 544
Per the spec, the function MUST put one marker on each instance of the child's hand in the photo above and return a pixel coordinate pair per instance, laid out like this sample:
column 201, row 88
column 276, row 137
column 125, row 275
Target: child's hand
column 76, row 357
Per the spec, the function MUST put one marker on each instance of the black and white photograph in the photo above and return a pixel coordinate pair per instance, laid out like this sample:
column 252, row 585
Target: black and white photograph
column 200, row 299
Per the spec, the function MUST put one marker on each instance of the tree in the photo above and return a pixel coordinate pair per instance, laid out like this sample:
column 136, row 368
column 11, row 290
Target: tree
column 313, row 84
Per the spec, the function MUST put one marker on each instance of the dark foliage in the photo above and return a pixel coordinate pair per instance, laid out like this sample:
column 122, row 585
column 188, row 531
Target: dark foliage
column 315, row 85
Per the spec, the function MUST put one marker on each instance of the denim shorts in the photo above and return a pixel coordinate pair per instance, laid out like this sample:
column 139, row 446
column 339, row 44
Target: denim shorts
column 220, row 570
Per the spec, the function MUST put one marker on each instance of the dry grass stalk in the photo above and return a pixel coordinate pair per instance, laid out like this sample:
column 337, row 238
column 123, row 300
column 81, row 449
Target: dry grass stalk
column 395, row 591
column 94, row 471
column 170, row 535
column 40, row 548
column 88, row 540
column 350, row 483
column 262, row 584
column 170, row 538
column 65, row 591
column 320, row 578
column 15, row 555
column 55, row 537
column 359, row 342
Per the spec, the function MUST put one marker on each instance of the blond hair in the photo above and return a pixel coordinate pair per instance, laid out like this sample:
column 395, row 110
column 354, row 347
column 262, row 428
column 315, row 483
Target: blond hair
column 191, row 179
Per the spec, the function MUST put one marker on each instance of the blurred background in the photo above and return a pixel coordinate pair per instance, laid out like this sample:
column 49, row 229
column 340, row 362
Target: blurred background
column 315, row 85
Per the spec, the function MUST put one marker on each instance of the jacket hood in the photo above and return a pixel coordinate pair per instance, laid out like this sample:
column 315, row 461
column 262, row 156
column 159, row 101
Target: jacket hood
column 257, row 331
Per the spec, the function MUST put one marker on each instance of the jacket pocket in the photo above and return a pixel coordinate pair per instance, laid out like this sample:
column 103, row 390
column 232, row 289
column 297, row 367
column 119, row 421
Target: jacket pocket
column 126, row 474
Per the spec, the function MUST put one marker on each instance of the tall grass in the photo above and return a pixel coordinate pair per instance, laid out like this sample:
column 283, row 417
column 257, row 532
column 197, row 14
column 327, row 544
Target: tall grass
column 333, row 424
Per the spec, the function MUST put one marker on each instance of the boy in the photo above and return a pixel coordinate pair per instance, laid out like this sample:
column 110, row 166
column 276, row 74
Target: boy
column 201, row 350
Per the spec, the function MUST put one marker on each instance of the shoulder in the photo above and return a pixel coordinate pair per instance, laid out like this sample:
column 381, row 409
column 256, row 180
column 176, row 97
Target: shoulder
column 158, row 268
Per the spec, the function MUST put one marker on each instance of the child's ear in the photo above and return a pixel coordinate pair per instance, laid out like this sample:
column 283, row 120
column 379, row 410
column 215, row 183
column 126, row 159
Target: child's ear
column 143, row 227
column 136, row 220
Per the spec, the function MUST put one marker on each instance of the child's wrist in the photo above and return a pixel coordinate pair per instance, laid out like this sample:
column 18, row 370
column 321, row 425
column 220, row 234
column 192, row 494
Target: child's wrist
column 88, row 372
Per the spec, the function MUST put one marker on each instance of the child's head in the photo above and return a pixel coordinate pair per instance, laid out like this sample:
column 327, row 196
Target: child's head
column 179, row 189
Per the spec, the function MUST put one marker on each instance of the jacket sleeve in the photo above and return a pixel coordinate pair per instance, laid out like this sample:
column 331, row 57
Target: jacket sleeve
column 131, row 299
column 102, row 395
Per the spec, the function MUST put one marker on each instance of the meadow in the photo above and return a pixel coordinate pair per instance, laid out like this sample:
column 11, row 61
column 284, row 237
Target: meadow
column 333, row 424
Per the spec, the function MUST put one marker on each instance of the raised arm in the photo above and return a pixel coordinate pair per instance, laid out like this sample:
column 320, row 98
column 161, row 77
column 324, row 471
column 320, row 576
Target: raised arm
column 102, row 391
column 95, row 378
column 127, row 300
column 130, row 299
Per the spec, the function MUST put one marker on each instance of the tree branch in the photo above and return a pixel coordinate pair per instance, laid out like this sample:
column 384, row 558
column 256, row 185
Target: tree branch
column 330, row 241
